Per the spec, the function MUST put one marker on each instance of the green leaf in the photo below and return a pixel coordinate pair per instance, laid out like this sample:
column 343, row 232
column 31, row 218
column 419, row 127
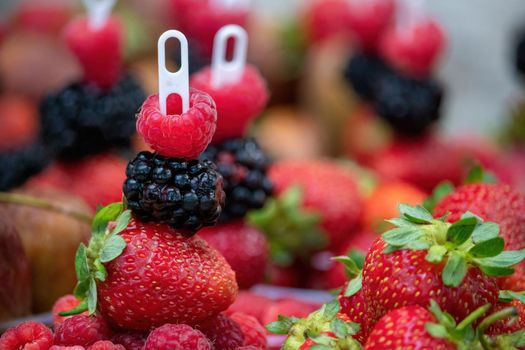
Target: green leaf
column 122, row 222
column 80, row 308
column 81, row 289
column 485, row 231
column 478, row 175
column 402, row 235
column 92, row 297
column 496, row 271
column 81, row 263
column 322, row 339
column 331, row 309
column 418, row 245
column 350, row 265
column 416, row 214
column 436, row 330
column 505, row 259
column 278, row 327
column 454, row 270
column 436, row 253
column 100, row 271
column 358, row 257
column 339, row 328
column 509, row 295
column 489, row 248
column 354, row 286
column 440, row 192
column 104, row 216
column 400, row 222
column 320, row 347
column 391, row 248
column 112, row 248
column 460, row 231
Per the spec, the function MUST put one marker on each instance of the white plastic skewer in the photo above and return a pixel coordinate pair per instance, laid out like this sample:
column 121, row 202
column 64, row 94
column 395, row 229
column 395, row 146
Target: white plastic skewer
column 169, row 82
column 224, row 71
column 98, row 11
column 411, row 13
column 231, row 4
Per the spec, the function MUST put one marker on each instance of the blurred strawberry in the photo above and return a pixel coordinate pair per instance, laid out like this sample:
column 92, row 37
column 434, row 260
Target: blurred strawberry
column 19, row 120
column 284, row 276
column 251, row 304
column 287, row 307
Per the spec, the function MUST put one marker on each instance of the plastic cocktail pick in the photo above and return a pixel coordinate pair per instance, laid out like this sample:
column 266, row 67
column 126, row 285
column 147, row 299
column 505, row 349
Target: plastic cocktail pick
column 224, row 71
column 98, row 11
column 232, row 4
column 173, row 82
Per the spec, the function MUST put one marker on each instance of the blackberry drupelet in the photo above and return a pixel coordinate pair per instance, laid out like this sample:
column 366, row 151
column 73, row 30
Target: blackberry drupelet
column 82, row 120
column 363, row 71
column 243, row 166
column 186, row 195
column 411, row 106
column 20, row 164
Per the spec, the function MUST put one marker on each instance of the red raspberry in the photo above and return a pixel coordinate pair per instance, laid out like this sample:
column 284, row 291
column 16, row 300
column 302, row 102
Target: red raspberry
column 65, row 303
column 106, row 345
column 177, row 336
column 82, row 330
column 369, row 20
column 60, row 347
column 130, row 340
column 27, row 336
column 98, row 50
column 254, row 332
column 178, row 135
column 237, row 104
column 223, row 332
column 249, row 347
column 250, row 304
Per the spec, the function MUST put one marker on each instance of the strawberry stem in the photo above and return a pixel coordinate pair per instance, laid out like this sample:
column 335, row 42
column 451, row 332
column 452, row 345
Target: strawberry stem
column 22, row 199
column 473, row 316
column 497, row 316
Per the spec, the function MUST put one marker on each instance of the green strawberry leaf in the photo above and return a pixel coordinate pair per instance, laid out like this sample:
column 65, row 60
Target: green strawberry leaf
column 400, row 222
column 418, row 245
column 443, row 318
column 81, row 289
column 440, row 192
column 416, row 214
column 339, row 328
column 103, row 217
column 358, row 257
column 92, row 297
column 455, row 269
column 391, row 248
column 112, row 248
column 461, row 230
column 354, row 286
column 321, row 347
column 496, row 271
column 505, row 259
column 436, row 330
column 350, row 265
column 81, row 263
column 509, row 295
column 100, row 272
column 402, row 235
column 484, row 232
column 478, row 175
column 80, row 308
column 436, row 253
column 282, row 325
column 122, row 222
column 331, row 309
column 488, row 248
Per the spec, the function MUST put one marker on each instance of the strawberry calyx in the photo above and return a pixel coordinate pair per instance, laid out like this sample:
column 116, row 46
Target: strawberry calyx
column 511, row 341
column 460, row 245
column 326, row 327
column 292, row 230
column 104, row 246
column 353, row 263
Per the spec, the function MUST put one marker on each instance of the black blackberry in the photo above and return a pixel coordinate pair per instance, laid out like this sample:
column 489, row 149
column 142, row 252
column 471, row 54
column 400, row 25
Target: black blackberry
column 17, row 166
column 81, row 119
column 409, row 105
column 363, row 71
column 520, row 53
column 243, row 166
column 186, row 195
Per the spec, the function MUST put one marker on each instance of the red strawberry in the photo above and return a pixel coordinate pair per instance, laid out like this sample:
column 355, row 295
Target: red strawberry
column 99, row 50
column 254, row 332
column 511, row 325
column 244, row 248
column 27, row 335
column 355, row 308
column 251, row 304
column 178, row 134
column 65, row 303
column 497, row 203
column 223, row 332
column 177, row 336
column 237, row 104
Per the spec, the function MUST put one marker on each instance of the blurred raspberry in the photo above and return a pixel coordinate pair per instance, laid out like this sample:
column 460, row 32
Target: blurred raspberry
column 26, row 336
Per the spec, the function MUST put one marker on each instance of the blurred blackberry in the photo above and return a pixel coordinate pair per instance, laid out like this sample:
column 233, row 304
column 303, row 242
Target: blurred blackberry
column 21, row 164
column 520, row 53
column 243, row 166
column 82, row 120
column 363, row 72
column 186, row 195
column 409, row 105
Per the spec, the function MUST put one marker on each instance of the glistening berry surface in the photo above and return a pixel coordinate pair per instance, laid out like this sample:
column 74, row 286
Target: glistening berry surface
column 27, row 335
column 177, row 336
column 223, row 332
column 82, row 330
column 183, row 194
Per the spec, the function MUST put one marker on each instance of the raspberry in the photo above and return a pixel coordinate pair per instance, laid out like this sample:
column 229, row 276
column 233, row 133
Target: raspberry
column 254, row 332
column 82, row 330
column 106, row 345
column 26, row 336
column 178, row 135
column 243, row 165
column 60, row 347
column 186, row 195
column 363, row 72
column 98, row 50
column 65, row 303
column 131, row 341
column 177, row 336
column 250, row 304
column 237, row 104
column 249, row 347
column 223, row 332
column 82, row 120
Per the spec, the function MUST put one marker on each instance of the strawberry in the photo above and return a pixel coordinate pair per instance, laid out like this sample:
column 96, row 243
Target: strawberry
column 244, row 248
column 497, row 203
column 424, row 258
column 510, row 325
column 144, row 275
column 250, row 304
column 415, row 327
column 355, row 308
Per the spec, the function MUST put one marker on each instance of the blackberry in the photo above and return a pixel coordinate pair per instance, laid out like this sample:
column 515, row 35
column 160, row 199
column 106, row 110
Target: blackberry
column 20, row 164
column 409, row 105
column 243, row 166
column 186, row 195
column 82, row 120
column 363, row 71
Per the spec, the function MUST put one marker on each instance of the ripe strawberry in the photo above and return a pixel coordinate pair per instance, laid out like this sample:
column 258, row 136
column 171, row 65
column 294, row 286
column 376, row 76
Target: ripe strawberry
column 244, row 248
column 237, row 104
column 223, row 332
column 19, row 118
column 177, row 336
column 354, row 307
column 27, row 335
column 178, row 134
column 254, row 332
column 65, row 303
column 497, row 203
column 250, row 304
column 99, row 50
column 510, row 325
column 82, row 330
column 425, row 258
